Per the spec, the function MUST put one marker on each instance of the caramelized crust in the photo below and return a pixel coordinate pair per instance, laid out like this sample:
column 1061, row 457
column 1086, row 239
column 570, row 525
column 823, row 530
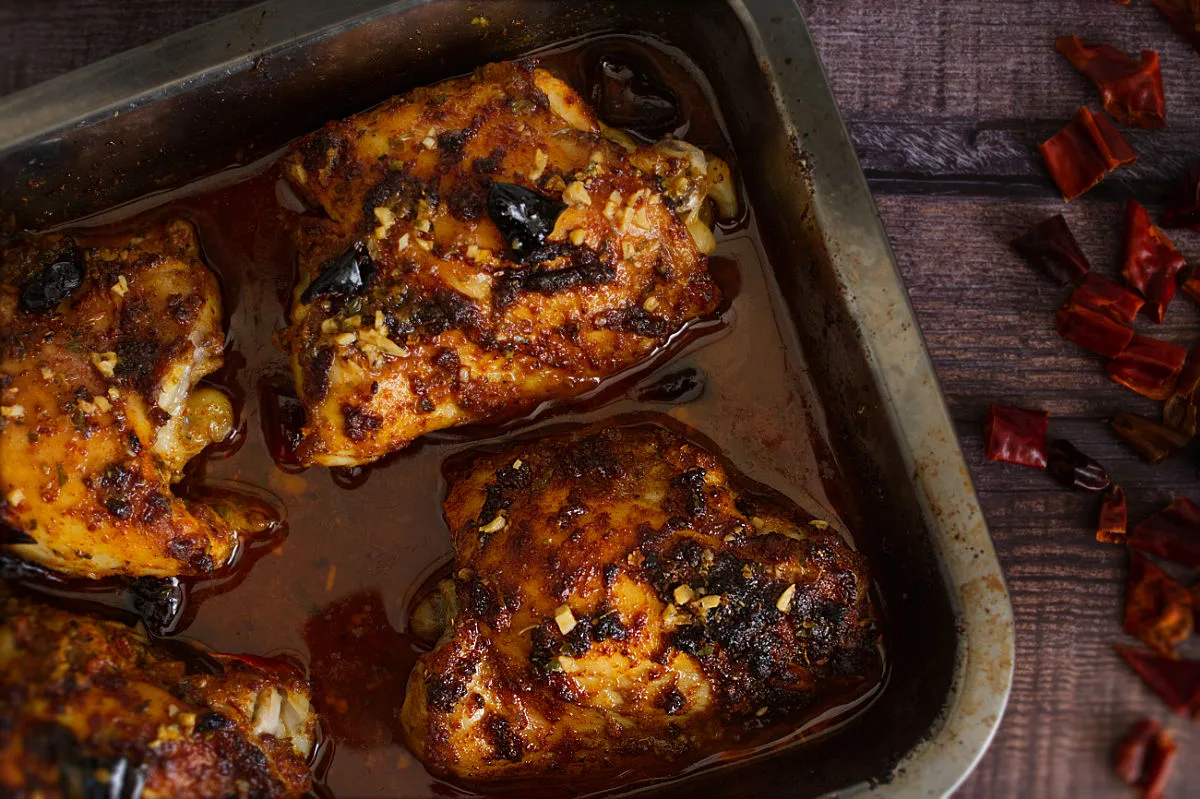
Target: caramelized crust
column 616, row 596
column 91, row 708
column 97, row 410
column 452, row 326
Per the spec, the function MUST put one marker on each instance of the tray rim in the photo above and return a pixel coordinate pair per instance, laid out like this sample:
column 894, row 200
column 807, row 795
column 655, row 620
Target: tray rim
column 849, row 225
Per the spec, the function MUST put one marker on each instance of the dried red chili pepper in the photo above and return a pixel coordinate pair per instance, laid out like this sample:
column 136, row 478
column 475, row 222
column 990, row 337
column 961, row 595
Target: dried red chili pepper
column 1144, row 758
column 1082, row 153
column 1109, row 298
column 1184, row 18
column 1148, row 366
column 1152, row 263
column 1184, row 208
column 1073, row 469
column 1132, row 90
column 1093, row 330
column 1114, row 517
column 1172, row 534
column 1181, row 410
column 1015, row 435
column 1050, row 246
column 1158, row 610
column 1177, row 682
column 1153, row 440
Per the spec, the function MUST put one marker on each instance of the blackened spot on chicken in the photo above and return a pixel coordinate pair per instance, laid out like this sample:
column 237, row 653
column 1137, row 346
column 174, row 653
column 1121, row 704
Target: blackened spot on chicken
column 451, row 143
column 692, row 483
column 577, row 642
column 609, row 626
column 398, row 192
column 543, row 650
column 468, row 200
column 500, row 493
column 673, row 701
column 571, row 509
column 506, row 743
column 316, row 373
column 442, row 691
column 580, row 267
column 325, row 149
column 480, row 600
column 360, row 423
column 154, row 508
column 182, row 549
column 633, row 319
column 212, row 721
column 609, row 574
column 592, row 456
column 448, row 310
column 492, row 164
column 690, row 640
column 137, row 362
column 184, row 309
column 446, row 358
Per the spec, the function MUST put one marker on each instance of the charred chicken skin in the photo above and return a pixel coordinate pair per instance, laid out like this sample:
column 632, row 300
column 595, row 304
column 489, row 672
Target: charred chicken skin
column 101, row 348
column 480, row 246
column 92, row 708
column 616, row 596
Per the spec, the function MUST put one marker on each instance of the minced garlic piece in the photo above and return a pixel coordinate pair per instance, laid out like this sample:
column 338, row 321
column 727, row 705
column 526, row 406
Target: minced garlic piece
column 12, row 411
column 784, row 603
column 820, row 524
column 651, row 303
column 576, row 194
column 683, row 594
column 346, row 339
column 757, row 522
column 494, row 526
column 47, row 374
column 424, row 225
column 540, row 159
column 429, row 143
column 386, row 220
column 517, row 463
column 565, row 619
column 709, row 602
column 425, row 245
column 329, row 326
column 121, row 287
column 15, row 497
column 402, row 243
column 105, row 362
column 103, row 404
column 577, row 236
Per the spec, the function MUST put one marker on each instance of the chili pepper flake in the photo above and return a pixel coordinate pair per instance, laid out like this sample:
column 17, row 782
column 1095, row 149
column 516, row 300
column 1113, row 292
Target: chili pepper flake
column 1148, row 366
column 1109, row 297
column 1152, row 263
column 1015, row 435
column 1132, row 90
column 1158, row 610
column 1145, row 757
column 1181, row 410
column 1114, row 516
column 1153, row 440
column 1082, row 153
column 1183, row 17
column 1183, row 211
column 1172, row 534
column 1050, row 246
column 1177, row 682
column 1093, row 330
column 1073, row 469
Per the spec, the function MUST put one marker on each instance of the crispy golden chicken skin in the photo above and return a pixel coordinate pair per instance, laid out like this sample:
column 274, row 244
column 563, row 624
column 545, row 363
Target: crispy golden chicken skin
column 483, row 245
column 100, row 350
column 615, row 596
column 91, row 708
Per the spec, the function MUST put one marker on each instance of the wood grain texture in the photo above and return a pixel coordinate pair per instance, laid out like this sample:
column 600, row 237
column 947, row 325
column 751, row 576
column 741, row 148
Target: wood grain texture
column 946, row 102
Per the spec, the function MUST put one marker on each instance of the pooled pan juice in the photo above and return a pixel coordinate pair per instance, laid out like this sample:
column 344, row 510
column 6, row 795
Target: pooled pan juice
column 359, row 547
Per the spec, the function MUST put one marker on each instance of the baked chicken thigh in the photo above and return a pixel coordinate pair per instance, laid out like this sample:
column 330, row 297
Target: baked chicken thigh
column 101, row 348
column 480, row 246
column 616, row 599
column 92, row 708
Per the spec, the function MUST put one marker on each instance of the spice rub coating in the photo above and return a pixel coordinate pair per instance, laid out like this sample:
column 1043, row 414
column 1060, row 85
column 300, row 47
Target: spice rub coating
column 101, row 348
column 615, row 595
column 92, row 708
column 416, row 310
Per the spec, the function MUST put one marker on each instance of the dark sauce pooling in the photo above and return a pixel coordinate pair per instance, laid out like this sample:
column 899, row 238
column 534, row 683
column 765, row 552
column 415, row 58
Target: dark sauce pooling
column 335, row 593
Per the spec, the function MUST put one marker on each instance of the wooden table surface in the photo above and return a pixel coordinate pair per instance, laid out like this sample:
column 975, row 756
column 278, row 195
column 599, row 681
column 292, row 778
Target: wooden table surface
column 946, row 102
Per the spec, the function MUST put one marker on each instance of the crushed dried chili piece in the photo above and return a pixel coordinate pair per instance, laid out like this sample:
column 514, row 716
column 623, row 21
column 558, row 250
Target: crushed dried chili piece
column 1108, row 297
column 1148, row 366
column 1177, row 682
column 1158, row 610
column 1183, row 17
column 1093, row 330
column 1082, row 153
column 1181, row 411
column 1114, row 516
column 1050, row 246
column 1153, row 440
column 1184, row 208
column 1015, row 435
column 1152, row 264
column 1145, row 757
column 1172, row 534
column 1132, row 90
column 1073, row 469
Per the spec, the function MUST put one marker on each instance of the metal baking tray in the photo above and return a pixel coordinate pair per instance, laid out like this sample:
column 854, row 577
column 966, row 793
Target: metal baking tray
column 233, row 90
